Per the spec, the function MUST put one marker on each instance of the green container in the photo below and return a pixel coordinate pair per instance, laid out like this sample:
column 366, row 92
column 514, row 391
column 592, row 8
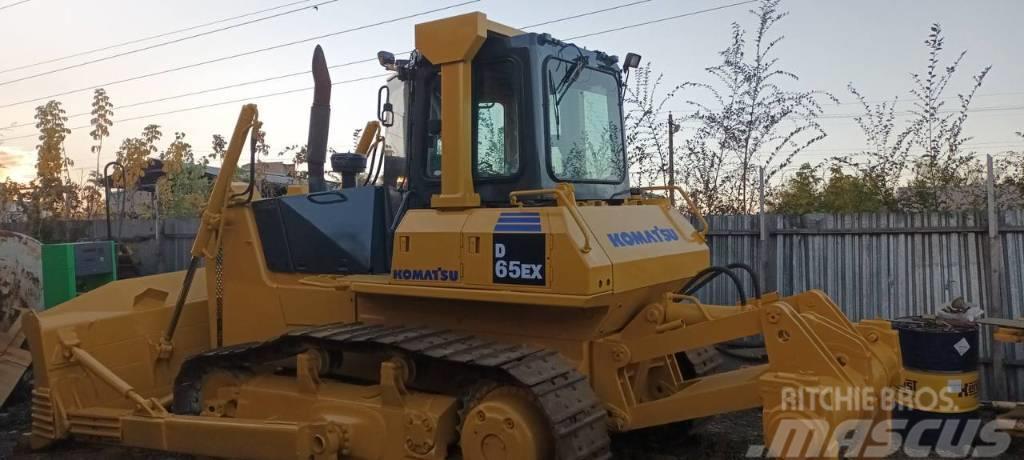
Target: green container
column 70, row 269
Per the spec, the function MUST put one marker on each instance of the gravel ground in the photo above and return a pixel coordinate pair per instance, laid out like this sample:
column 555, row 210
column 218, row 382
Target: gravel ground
column 728, row 436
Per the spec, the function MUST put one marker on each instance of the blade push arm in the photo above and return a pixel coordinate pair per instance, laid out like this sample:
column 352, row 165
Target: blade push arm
column 208, row 235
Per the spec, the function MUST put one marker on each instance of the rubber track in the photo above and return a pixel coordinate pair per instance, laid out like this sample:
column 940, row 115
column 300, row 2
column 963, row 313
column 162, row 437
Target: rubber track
column 576, row 418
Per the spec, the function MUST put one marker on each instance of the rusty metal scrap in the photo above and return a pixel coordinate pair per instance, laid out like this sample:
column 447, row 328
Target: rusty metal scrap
column 21, row 289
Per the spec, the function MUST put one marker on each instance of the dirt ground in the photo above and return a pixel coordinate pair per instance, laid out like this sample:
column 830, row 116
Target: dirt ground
column 16, row 419
column 722, row 437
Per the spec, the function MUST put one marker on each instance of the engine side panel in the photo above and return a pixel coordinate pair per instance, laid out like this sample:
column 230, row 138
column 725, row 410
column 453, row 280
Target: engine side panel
column 543, row 249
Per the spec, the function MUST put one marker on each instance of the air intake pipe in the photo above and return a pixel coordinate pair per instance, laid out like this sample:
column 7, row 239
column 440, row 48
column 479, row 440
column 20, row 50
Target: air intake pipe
column 319, row 122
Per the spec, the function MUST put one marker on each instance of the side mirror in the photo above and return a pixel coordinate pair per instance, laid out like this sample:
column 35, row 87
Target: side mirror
column 386, row 59
column 385, row 111
column 632, row 61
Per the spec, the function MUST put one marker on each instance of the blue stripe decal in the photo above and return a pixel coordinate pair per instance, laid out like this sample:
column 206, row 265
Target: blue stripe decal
column 517, row 228
column 519, row 220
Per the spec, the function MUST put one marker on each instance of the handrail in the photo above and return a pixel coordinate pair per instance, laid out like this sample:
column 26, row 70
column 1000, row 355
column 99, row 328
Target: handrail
column 689, row 204
column 563, row 200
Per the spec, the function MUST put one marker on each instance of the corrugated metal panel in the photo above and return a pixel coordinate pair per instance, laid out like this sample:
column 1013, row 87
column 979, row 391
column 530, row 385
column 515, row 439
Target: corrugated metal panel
column 1013, row 287
column 176, row 242
column 879, row 265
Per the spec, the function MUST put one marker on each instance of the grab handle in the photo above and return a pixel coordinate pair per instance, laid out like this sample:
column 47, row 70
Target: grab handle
column 689, row 205
column 562, row 198
column 326, row 197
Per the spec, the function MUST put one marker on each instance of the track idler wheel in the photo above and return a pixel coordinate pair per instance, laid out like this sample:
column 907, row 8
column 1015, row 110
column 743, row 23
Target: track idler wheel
column 506, row 423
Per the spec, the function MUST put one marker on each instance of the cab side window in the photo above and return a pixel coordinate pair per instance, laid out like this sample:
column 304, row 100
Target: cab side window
column 433, row 163
column 496, row 121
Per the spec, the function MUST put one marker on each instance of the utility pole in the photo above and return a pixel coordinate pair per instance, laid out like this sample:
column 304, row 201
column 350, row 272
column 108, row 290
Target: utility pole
column 995, row 307
column 762, row 243
column 671, row 161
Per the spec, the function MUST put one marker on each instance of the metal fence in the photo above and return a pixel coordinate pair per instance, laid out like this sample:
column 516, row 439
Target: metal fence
column 873, row 265
column 886, row 265
column 152, row 251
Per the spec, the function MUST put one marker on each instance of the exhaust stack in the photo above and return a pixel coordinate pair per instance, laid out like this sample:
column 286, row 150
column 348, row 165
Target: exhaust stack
column 319, row 122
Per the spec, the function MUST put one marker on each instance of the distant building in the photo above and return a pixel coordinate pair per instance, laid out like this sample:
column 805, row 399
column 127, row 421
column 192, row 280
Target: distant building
column 142, row 201
column 11, row 212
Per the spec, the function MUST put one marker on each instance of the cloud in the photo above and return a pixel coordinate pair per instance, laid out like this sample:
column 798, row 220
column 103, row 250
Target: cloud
column 16, row 163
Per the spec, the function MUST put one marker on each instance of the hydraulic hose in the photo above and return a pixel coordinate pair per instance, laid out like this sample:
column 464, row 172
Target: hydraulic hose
column 371, row 157
column 707, row 275
column 377, row 157
column 379, row 147
column 754, row 279
column 252, row 167
column 179, row 304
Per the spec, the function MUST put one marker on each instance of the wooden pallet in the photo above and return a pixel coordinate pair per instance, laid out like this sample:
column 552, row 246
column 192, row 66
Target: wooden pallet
column 14, row 360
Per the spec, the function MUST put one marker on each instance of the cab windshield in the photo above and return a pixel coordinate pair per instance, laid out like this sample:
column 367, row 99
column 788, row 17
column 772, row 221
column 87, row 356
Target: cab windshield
column 584, row 123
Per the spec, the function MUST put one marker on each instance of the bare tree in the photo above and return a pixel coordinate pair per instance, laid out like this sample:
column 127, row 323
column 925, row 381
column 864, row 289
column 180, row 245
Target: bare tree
column 929, row 146
column 1011, row 167
column 944, row 165
column 753, row 120
column 646, row 127
column 882, row 165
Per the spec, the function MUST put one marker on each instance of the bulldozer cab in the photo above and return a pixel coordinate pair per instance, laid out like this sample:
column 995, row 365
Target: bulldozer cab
column 478, row 113
column 541, row 112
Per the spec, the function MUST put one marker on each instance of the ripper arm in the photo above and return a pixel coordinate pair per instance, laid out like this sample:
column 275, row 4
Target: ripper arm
column 809, row 342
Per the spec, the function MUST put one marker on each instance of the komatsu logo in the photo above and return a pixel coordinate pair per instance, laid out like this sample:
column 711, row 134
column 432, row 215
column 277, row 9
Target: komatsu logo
column 437, row 274
column 641, row 237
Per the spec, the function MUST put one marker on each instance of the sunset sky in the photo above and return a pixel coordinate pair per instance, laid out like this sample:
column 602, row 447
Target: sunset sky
column 873, row 43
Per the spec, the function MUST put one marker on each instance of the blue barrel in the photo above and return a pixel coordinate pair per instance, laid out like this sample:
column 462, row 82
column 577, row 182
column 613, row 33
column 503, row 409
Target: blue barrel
column 940, row 377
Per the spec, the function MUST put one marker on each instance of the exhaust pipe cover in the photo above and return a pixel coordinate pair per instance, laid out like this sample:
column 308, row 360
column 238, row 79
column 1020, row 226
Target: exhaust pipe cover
column 319, row 122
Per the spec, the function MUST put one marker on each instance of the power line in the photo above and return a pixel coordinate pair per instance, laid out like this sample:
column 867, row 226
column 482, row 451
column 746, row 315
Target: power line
column 205, row 91
column 669, row 18
column 909, row 100
column 215, row 104
column 340, row 65
column 944, row 112
column 1003, row 149
column 162, row 44
column 589, row 13
column 306, row 72
column 863, row 149
column 12, row 5
column 238, row 55
column 150, row 37
column 902, row 113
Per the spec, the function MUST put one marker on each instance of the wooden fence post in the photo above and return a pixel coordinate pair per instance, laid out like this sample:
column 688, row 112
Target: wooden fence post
column 995, row 305
column 672, row 128
column 765, row 267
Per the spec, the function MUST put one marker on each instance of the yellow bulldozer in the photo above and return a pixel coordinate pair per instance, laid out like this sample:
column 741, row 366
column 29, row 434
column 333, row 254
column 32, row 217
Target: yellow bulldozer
column 487, row 286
